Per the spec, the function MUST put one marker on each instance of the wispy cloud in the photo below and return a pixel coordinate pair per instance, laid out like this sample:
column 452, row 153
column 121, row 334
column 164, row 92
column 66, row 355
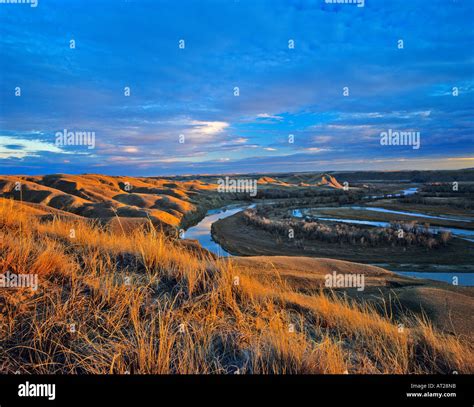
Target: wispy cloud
column 14, row 147
column 269, row 116
column 206, row 130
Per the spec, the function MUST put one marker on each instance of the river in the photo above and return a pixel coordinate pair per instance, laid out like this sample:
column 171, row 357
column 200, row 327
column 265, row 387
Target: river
column 202, row 233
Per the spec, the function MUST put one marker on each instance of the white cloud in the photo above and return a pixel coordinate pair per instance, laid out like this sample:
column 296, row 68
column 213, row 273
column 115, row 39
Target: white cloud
column 316, row 149
column 207, row 129
column 388, row 115
column 12, row 147
column 269, row 116
column 130, row 149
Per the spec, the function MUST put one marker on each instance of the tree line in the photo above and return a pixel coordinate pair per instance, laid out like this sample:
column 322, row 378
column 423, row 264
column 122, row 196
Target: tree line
column 402, row 234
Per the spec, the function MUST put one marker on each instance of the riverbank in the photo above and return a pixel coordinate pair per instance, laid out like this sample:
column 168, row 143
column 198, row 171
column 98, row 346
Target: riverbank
column 241, row 239
column 385, row 215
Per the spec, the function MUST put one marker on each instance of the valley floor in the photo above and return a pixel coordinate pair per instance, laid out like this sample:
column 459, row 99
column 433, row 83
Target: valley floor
column 241, row 239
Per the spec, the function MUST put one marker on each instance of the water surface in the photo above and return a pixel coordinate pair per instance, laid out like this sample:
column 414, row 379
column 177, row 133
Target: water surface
column 202, row 231
column 463, row 279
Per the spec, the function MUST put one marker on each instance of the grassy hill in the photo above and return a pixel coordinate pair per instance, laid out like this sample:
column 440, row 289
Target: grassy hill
column 105, row 198
column 117, row 301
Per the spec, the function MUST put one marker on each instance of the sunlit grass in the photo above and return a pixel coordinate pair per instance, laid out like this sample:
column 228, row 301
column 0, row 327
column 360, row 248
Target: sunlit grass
column 138, row 302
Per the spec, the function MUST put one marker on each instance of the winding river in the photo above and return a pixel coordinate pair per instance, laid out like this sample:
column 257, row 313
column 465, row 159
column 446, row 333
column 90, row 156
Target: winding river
column 202, row 233
column 462, row 233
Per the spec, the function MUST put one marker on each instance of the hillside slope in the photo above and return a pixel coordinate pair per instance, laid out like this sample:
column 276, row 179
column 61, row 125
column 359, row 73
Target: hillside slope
column 105, row 197
column 110, row 301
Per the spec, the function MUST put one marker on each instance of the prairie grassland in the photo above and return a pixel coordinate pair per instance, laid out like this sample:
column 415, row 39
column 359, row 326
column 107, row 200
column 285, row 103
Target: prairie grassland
column 137, row 301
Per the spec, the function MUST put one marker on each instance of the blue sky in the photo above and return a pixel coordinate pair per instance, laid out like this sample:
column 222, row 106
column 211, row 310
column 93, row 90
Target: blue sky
column 228, row 44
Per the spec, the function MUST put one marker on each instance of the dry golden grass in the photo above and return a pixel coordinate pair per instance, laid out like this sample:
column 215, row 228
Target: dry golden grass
column 99, row 196
column 140, row 303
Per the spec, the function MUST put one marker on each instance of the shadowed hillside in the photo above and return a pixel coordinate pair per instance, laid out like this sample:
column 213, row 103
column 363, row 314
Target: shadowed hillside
column 105, row 197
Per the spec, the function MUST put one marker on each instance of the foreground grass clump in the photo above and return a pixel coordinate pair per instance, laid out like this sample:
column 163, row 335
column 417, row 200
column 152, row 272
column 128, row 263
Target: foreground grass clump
column 139, row 302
